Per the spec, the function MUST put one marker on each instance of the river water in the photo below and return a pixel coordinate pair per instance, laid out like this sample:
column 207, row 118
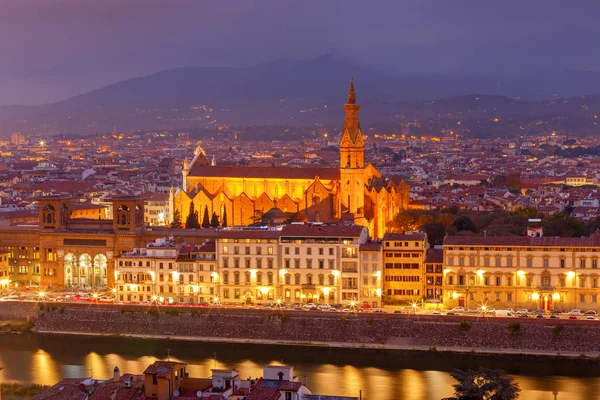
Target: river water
column 381, row 375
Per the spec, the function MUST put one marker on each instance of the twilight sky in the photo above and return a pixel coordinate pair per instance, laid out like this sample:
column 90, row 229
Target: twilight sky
column 53, row 49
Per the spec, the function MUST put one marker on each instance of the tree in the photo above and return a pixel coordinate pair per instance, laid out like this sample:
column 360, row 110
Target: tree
column 435, row 232
column 484, row 384
column 205, row 220
column 224, row 224
column 176, row 223
column 214, row 221
column 464, row 223
column 258, row 218
column 192, row 219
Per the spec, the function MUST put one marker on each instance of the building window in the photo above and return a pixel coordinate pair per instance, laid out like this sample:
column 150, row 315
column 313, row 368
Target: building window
column 498, row 281
column 582, row 298
column 450, row 261
column 486, row 261
column 562, row 262
column 562, row 282
column 471, row 261
column 582, row 263
column 581, row 282
column 529, row 262
column 509, row 297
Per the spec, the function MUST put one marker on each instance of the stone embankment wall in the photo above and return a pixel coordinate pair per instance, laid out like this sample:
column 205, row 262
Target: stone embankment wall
column 302, row 327
column 13, row 311
column 553, row 336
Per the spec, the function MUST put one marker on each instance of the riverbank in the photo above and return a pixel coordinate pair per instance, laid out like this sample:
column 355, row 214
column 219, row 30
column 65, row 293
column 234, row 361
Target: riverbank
column 342, row 345
column 454, row 334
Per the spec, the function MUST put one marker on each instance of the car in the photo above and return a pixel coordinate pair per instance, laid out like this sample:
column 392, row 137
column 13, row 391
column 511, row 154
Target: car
column 366, row 307
column 332, row 309
column 379, row 311
column 309, row 306
column 591, row 312
column 451, row 313
column 295, row 305
column 473, row 310
column 436, row 313
column 523, row 311
column 591, row 317
column 337, row 306
column 239, row 307
column 398, row 312
column 556, row 311
column 267, row 307
column 575, row 312
column 298, row 309
column 323, row 306
column 313, row 309
column 539, row 311
column 540, row 316
column 10, row 298
column 490, row 310
column 510, row 310
column 573, row 317
column 554, row 316
column 458, row 309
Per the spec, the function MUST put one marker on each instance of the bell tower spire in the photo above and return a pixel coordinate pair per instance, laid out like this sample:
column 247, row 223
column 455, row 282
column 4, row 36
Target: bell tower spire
column 352, row 159
column 351, row 92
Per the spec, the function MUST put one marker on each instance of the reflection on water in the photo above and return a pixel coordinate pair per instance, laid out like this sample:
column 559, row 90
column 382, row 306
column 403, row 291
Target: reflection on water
column 379, row 374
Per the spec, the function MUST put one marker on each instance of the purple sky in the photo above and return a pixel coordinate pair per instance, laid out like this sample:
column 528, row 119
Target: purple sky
column 53, row 49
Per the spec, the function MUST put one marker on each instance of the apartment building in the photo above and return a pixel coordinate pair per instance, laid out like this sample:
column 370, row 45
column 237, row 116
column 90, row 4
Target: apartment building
column 149, row 274
column 371, row 270
column 522, row 272
column 248, row 263
column 320, row 263
column 434, row 274
column 403, row 259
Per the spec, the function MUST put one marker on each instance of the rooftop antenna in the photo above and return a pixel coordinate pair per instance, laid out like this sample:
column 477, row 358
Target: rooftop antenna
column 168, row 354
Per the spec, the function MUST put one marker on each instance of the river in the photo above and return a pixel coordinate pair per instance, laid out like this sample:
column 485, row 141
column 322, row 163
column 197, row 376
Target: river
column 35, row 358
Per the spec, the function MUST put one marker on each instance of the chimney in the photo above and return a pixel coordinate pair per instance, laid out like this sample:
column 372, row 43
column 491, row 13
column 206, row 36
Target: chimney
column 116, row 374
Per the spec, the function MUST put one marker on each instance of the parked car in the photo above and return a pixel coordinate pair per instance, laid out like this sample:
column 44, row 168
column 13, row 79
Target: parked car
column 366, row 307
column 539, row 311
column 591, row 317
column 523, row 315
column 553, row 316
column 458, row 309
column 323, row 306
column 337, row 306
column 308, row 306
column 523, row 311
column 591, row 312
column 573, row 317
column 540, row 316
column 575, row 312
column 473, row 310
column 379, row 311
column 556, row 311
column 451, row 313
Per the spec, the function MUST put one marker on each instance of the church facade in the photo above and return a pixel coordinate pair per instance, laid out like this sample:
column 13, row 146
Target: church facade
column 355, row 191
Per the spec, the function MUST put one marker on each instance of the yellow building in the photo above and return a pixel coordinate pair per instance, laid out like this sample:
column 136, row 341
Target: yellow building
column 403, row 258
column 4, row 271
column 522, row 272
column 354, row 191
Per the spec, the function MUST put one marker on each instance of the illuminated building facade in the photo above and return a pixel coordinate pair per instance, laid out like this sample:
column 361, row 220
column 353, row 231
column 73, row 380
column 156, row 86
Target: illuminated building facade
column 403, row 258
column 354, row 191
column 522, row 272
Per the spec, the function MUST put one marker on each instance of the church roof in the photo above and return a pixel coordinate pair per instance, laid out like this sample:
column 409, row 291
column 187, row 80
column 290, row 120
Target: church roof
column 264, row 172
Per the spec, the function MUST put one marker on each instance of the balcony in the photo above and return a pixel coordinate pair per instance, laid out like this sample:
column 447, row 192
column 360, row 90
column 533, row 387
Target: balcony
column 309, row 286
column 545, row 288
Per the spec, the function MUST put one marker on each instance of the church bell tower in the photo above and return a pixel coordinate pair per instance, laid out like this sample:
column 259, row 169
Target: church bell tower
column 352, row 160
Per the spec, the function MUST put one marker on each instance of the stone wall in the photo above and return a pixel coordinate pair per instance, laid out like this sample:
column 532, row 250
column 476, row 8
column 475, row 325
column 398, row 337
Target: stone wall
column 13, row 311
column 553, row 336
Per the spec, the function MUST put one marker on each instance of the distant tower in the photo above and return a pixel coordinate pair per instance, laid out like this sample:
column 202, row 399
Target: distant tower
column 352, row 159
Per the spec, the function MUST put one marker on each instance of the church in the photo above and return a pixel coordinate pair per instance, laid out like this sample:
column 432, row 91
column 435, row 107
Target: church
column 355, row 192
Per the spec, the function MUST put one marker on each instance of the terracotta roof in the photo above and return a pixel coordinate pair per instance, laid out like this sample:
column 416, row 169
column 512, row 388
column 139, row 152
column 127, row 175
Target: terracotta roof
column 321, row 230
column 374, row 246
column 264, row 172
column 545, row 241
column 265, row 390
column 404, row 236
column 248, row 234
column 161, row 368
column 435, row 256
